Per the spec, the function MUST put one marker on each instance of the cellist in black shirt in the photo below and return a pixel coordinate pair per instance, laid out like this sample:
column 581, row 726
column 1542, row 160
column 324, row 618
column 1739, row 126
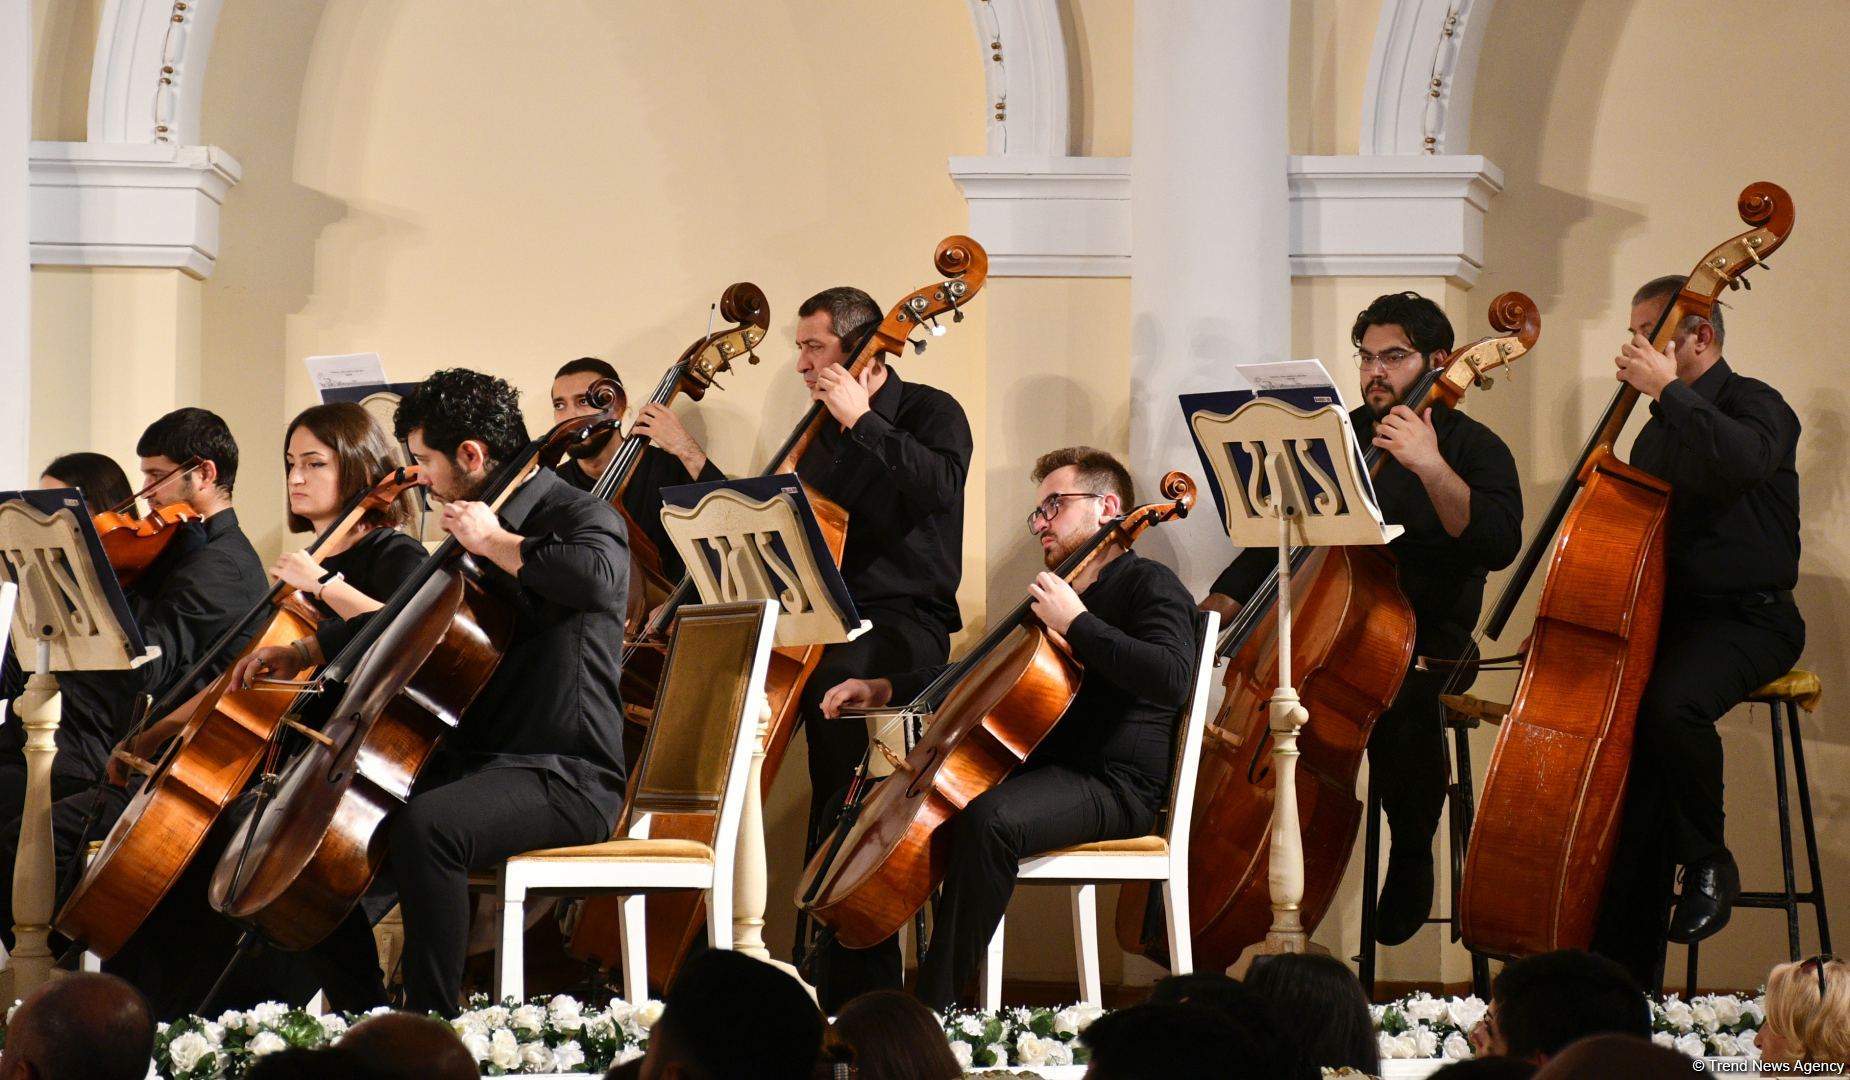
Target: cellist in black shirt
column 1103, row 772
column 1451, row 483
column 1728, row 446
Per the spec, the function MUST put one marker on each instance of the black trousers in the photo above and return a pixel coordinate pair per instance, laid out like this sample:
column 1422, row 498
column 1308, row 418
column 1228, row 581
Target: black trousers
column 1406, row 748
column 470, row 823
column 1708, row 661
column 897, row 644
column 1036, row 810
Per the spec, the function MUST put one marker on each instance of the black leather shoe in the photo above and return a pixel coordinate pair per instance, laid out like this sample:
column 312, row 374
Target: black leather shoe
column 1406, row 897
column 1709, row 891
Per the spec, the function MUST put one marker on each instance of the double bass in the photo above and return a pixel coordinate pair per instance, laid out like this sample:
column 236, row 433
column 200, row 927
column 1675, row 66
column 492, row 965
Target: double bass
column 988, row 712
column 1542, row 842
column 1352, row 641
column 743, row 304
column 205, row 766
column 305, row 856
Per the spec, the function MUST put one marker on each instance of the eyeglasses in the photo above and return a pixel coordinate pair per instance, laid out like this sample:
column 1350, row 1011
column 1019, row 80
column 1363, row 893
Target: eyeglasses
column 1387, row 358
column 1820, row 961
column 1050, row 506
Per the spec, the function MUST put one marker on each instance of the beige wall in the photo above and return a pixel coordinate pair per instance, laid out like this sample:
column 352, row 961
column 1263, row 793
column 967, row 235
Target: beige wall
column 448, row 185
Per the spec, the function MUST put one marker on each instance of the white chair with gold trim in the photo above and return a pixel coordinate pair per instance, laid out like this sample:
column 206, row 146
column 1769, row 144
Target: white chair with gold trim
column 693, row 763
column 1160, row 857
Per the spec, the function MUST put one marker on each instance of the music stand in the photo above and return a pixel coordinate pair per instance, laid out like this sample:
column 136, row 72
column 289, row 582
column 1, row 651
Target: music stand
column 1291, row 478
column 70, row 607
column 758, row 539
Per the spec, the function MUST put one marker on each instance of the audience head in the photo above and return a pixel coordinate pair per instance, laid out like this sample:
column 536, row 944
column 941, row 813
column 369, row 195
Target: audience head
column 331, row 453
column 81, row 1025
column 1488, row 1068
column 1253, row 1020
column 1323, row 1009
column 177, row 438
column 102, row 481
column 894, row 1037
column 319, row 1064
column 1807, row 1012
column 1159, row 1040
column 1541, row 1003
column 407, row 1046
column 1616, row 1055
column 727, row 1015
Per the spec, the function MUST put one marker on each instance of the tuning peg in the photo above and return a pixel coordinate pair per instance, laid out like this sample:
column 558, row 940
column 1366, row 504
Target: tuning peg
column 957, row 315
column 918, row 346
column 932, row 328
column 751, row 357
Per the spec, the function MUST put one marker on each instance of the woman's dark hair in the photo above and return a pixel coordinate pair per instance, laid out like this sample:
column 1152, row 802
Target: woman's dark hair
column 895, row 1037
column 191, row 433
column 1323, row 1008
column 102, row 481
column 361, row 452
column 1426, row 327
column 455, row 405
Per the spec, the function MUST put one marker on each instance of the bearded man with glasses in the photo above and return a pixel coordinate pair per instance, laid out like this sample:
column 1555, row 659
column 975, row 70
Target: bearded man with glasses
column 1450, row 482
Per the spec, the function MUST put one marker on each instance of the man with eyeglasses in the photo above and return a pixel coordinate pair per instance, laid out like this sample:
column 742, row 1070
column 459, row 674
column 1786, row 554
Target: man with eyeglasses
column 1103, row 772
column 1728, row 446
column 1451, row 483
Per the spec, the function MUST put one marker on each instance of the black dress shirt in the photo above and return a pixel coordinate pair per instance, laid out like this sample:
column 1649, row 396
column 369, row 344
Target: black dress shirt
column 1441, row 575
column 1136, row 641
column 552, row 703
column 1728, row 445
column 191, row 601
column 642, row 499
column 375, row 564
column 900, row 473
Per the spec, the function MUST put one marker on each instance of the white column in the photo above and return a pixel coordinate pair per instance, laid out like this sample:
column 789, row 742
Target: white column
column 1210, row 270
column 15, row 244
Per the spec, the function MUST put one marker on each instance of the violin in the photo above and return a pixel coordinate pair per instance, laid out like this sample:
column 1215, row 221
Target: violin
column 133, row 544
column 1542, row 843
column 988, row 712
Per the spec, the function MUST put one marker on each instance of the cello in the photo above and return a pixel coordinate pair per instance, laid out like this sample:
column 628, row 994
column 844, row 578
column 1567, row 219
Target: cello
column 988, row 712
column 1352, row 641
column 206, row 765
column 744, row 305
column 1542, row 843
column 306, row 855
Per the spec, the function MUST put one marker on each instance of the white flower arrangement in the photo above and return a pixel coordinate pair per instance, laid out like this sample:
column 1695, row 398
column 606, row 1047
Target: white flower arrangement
column 1708, row 1025
column 1018, row 1036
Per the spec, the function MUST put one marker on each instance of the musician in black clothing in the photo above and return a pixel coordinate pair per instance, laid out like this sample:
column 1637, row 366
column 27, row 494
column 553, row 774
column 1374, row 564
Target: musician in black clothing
column 1728, row 446
column 671, row 458
column 1103, row 772
column 1451, row 483
column 537, row 760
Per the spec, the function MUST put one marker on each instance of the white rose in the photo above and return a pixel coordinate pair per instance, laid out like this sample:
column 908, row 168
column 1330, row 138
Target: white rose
column 495, row 1016
column 333, row 1025
column 1703, row 1012
column 270, row 1012
column 1001, row 1052
column 648, row 1013
column 1426, row 1041
column 1664, row 1039
column 1423, row 1008
column 215, row 1034
column 186, row 1051
column 1728, row 1009
column 1679, row 1015
column 627, row 1054
column 1084, row 1013
column 267, row 1042
column 1754, row 1011
column 971, row 1025
column 477, row 1045
column 503, row 1049
column 564, row 1005
column 1749, row 1040
column 1689, row 1045
column 1464, row 1013
column 961, row 1051
column 536, row 1057
column 231, row 1018
column 1059, row 1053
column 567, row 1056
column 1030, row 1049
column 1456, row 1048
column 1724, row 1045
column 1397, row 1046
column 527, row 1018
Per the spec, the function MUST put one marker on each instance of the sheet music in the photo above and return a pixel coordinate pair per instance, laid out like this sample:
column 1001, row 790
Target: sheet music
column 344, row 370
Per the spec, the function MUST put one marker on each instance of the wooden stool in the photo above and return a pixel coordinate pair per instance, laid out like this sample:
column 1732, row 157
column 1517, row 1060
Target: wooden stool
column 1795, row 690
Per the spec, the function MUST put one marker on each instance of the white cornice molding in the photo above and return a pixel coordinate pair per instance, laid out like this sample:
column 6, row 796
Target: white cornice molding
column 143, row 205
column 1025, row 75
column 1394, row 216
column 1049, row 216
column 1421, row 76
column 149, row 72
